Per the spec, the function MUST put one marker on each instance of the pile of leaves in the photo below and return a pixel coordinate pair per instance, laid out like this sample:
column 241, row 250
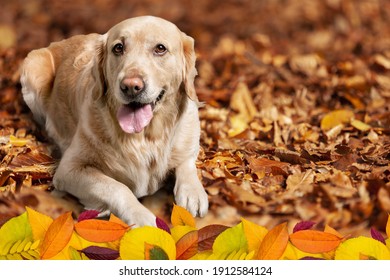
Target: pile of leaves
column 296, row 121
column 33, row 235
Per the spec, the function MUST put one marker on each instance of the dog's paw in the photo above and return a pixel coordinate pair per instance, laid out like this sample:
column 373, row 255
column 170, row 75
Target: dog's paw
column 139, row 218
column 192, row 198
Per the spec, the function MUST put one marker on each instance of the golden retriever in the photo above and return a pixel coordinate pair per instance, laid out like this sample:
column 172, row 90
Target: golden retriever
column 123, row 110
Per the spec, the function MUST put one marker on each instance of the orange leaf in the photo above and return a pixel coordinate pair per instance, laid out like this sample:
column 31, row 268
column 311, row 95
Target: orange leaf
column 100, row 231
column 181, row 217
column 331, row 230
column 388, row 226
column 57, row 236
column 314, row 242
column 115, row 219
column 187, row 246
column 274, row 243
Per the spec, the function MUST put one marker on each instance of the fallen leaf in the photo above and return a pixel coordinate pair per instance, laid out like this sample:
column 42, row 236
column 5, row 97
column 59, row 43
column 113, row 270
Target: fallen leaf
column 187, row 246
column 100, row 230
column 57, row 236
column 181, row 217
column 313, row 241
column 138, row 244
column 87, row 215
column 162, row 225
column 254, row 234
column 304, row 225
column 153, row 252
column 40, row 223
column 355, row 248
column 336, row 118
column 377, row 236
column 207, row 236
column 100, row 253
column 274, row 243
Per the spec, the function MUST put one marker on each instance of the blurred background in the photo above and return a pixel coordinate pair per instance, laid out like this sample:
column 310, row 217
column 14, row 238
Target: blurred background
column 289, row 62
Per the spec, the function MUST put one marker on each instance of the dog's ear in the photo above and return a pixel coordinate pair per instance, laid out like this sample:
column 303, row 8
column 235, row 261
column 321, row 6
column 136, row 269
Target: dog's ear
column 92, row 60
column 189, row 70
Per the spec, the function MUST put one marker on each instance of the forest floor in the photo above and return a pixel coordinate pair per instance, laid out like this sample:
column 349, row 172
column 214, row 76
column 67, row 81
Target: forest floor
column 296, row 122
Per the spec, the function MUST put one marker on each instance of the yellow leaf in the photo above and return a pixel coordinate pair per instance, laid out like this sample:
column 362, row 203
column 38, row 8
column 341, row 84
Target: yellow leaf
column 274, row 243
column 18, row 142
column 230, row 242
column 293, row 253
column 39, row 223
column 57, row 236
column 335, row 118
column 254, row 234
column 242, row 102
column 15, row 230
column 132, row 246
column 178, row 232
column 355, row 248
column 360, row 125
column 181, row 217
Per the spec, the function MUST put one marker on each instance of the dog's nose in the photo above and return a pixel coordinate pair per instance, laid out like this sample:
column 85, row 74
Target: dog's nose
column 132, row 85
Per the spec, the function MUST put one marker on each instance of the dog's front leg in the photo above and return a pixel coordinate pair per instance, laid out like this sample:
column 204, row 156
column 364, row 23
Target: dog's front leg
column 97, row 191
column 189, row 192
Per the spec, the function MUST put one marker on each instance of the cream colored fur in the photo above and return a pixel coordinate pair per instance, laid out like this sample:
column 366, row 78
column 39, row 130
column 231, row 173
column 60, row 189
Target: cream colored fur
column 72, row 88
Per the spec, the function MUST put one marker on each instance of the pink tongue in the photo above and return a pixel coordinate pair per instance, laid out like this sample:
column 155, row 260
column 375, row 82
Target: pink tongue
column 134, row 120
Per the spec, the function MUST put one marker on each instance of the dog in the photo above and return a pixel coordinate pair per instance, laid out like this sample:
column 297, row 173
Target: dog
column 123, row 110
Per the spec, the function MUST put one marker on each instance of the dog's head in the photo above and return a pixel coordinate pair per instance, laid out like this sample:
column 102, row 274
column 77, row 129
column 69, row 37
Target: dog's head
column 145, row 62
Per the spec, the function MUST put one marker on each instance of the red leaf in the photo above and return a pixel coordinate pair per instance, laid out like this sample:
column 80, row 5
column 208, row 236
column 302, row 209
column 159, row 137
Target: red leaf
column 303, row 225
column 100, row 253
column 162, row 225
column 377, row 236
column 207, row 235
column 87, row 215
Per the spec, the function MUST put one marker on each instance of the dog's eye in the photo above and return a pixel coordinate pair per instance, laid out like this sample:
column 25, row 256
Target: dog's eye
column 118, row 49
column 160, row 49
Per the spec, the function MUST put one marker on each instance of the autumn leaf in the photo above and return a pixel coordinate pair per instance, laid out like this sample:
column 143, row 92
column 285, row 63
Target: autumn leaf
column 178, row 232
column 100, row 253
column 181, row 217
column 377, row 236
column 132, row 245
column 162, row 225
column 100, row 230
column 388, row 226
column 303, row 225
column 39, row 223
column 254, row 234
column 274, row 243
column 334, row 118
column 153, row 252
column 89, row 214
column 57, row 236
column 230, row 244
column 18, row 142
column 207, row 236
column 115, row 219
column 312, row 241
column 362, row 247
column 187, row 246
column 331, row 230
column 14, row 233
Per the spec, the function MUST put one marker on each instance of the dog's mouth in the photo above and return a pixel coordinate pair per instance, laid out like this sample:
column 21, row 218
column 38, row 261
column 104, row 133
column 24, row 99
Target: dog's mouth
column 135, row 116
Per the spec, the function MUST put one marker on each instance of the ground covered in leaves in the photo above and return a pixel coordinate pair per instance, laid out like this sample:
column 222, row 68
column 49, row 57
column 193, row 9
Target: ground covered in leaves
column 296, row 122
